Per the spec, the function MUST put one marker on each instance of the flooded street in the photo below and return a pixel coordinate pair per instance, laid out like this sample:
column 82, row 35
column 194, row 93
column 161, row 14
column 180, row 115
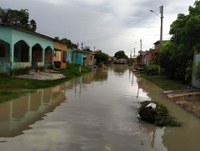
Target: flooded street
column 96, row 112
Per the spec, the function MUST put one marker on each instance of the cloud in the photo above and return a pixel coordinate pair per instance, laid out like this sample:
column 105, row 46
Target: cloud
column 109, row 25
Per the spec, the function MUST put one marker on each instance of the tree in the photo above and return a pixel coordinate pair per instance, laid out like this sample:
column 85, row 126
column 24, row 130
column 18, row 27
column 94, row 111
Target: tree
column 101, row 57
column 177, row 56
column 87, row 48
column 120, row 55
column 18, row 18
column 33, row 25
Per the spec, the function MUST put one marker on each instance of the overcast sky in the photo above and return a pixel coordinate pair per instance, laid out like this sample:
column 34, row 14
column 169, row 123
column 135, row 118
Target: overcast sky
column 109, row 25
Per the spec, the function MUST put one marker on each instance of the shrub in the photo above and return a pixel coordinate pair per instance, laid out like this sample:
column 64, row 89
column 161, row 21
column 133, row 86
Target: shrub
column 152, row 70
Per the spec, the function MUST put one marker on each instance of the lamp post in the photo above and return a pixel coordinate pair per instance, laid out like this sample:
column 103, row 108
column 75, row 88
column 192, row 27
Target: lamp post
column 161, row 24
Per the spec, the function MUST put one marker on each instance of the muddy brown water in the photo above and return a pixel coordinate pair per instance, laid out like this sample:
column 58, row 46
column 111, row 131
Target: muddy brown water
column 96, row 112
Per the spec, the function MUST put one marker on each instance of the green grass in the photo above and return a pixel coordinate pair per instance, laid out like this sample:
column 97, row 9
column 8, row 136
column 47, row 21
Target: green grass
column 9, row 86
column 164, row 82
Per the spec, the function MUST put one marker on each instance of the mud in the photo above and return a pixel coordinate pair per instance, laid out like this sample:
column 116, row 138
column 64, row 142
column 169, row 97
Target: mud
column 188, row 99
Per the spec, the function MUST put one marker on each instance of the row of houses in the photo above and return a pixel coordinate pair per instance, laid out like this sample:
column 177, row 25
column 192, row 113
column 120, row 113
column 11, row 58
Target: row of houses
column 145, row 57
column 22, row 49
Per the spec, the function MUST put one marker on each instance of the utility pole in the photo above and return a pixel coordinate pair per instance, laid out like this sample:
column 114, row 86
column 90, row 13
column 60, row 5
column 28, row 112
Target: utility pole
column 141, row 44
column 161, row 26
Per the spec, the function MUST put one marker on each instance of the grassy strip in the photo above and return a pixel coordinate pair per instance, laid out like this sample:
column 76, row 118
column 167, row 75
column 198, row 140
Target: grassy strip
column 164, row 82
column 8, row 84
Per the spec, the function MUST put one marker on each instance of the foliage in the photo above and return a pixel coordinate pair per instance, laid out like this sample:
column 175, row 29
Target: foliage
column 87, row 48
column 120, row 55
column 188, row 72
column 177, row 55
column 101, row 57
column 152, row 70
column 158, row 116
column 67, row 42
column 17, row 18
column 164, row 82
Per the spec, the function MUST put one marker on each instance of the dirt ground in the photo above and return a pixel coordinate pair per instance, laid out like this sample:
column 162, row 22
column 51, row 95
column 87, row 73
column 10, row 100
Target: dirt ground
column 42, row 75
column 188, row 99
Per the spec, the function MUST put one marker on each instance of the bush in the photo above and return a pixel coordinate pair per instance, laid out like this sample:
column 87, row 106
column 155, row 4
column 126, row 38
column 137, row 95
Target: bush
column 158, row 116
column 152, row 70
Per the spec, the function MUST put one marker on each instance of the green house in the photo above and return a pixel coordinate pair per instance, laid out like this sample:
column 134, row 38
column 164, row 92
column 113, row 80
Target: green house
column 20, row 49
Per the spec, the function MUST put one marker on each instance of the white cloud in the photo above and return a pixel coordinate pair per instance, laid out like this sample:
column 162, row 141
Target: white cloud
column 109, row 25
column 54, row 2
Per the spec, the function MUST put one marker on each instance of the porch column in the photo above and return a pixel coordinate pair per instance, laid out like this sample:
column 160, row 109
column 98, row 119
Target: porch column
column 52, row 55
column 12, row 48
column 43, row 56
column 30, row 55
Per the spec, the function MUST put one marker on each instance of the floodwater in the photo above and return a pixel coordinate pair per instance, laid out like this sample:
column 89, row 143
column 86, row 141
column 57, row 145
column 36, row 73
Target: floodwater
column 96, row 112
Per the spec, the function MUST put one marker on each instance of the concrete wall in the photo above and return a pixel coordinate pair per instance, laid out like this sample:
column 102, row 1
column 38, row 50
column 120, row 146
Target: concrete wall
column 89, row 58
column 77, row 57
column 59, row 57
column 195, row 82
column 12, row 36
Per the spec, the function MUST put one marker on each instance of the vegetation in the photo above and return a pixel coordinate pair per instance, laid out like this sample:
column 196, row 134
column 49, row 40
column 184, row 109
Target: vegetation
column 152, row 70
column 10, row 86
column 120, row 55
column 197, row 72
column 66, row 42
column 101, row 57
column 164, row 82
column 17, row 18
column 176, row 56
column 158, row 115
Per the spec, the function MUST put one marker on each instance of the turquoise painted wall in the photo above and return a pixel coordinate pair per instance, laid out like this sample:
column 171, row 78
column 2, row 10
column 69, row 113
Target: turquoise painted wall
column 12, row 36
column 5, row 34
column 195, row 82
column 77, row 57
column 69, row 55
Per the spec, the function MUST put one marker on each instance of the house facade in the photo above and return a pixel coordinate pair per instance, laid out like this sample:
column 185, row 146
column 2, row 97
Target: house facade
column 69, row 55
column 77, row 57
column 60, row 53
column 88, row 58
column 21, row 49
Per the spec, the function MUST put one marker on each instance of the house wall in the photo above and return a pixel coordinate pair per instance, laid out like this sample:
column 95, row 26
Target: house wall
column 4, row 60
column 195, row 82
column 69, row 55
column 59, row 55
column 77, row 57
column 89, row 59
column 12, row 36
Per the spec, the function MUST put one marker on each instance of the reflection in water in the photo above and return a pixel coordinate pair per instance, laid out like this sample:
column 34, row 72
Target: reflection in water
column 18, row 114
column 100, row 113
column 80, row 84
column 182, row 138
column 119, row 69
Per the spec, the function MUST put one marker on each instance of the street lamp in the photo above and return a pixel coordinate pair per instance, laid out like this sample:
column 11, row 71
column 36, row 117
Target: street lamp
column 161, row 24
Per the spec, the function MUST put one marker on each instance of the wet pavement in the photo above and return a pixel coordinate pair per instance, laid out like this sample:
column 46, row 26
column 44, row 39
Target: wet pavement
column 96, row 112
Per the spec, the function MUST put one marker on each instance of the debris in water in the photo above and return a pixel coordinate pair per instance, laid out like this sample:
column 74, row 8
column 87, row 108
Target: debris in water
column 157, row 114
